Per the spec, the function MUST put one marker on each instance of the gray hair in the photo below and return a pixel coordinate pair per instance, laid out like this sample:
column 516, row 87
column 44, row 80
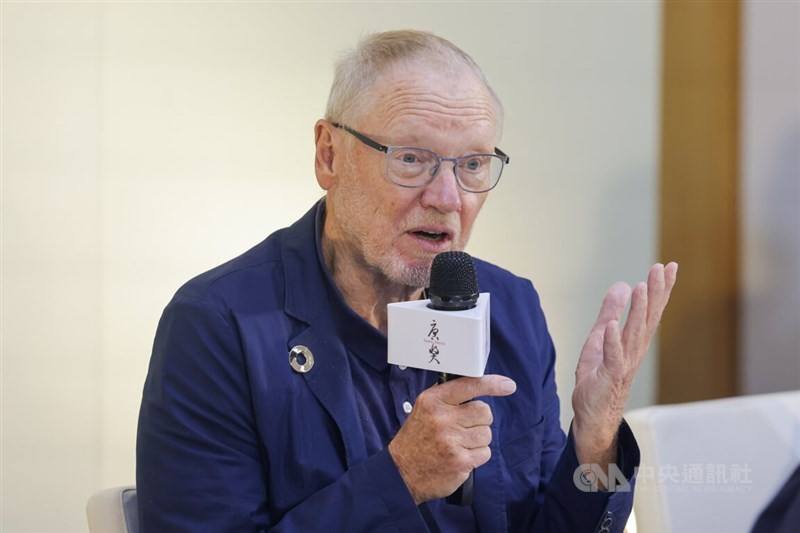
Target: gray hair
column 358, row 69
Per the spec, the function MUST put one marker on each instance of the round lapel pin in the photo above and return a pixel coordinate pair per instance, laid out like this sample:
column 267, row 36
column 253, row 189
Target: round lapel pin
column 301, row 359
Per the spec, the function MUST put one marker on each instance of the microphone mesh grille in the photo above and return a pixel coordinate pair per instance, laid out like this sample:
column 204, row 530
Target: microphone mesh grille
column 453, row 274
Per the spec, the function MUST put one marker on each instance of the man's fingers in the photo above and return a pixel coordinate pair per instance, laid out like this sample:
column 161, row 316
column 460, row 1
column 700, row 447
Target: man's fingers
column 479, row 456
column 613, row 355
column 461, row 390
column 477, row 437
column 633, row 333
column 655, row 296
column 662, row 279
column 655, row 291
column 475, row 413
column 670, row 277
column 613, row 305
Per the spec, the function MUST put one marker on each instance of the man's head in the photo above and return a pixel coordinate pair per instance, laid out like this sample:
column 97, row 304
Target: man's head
column 409, row 89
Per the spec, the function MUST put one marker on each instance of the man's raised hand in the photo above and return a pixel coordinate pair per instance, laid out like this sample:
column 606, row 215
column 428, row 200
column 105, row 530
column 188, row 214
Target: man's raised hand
column 610, row 358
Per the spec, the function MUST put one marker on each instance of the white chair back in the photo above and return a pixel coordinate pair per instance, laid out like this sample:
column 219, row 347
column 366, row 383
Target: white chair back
column 712, row 466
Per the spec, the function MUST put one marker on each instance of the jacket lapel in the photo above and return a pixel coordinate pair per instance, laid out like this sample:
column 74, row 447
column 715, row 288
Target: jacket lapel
column 307, row 299
column 331, row 383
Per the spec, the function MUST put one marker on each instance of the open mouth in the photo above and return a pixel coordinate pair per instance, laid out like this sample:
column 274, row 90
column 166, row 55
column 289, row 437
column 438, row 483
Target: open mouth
column 430, row 235
column 431, row 239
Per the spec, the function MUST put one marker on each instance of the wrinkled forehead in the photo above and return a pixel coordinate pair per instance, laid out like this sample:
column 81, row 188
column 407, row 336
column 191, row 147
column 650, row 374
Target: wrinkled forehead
column 442, row 94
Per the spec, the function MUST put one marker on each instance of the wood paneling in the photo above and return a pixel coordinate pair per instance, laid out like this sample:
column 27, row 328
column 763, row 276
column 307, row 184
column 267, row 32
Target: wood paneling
column 699, row 198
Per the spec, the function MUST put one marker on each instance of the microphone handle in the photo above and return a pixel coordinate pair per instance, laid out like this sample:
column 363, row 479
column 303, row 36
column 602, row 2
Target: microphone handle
column 463, row 494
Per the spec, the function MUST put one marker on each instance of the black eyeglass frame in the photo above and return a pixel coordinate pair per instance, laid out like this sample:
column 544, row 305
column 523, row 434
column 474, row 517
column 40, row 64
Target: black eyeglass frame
column 504, row 158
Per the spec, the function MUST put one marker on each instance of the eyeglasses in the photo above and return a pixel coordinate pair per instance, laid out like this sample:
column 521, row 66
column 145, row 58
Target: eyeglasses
column 417, row 167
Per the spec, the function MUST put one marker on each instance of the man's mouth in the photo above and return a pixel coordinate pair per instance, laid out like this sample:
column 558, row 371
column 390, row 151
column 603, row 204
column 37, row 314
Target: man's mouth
column 432, row 239
column 431, row 235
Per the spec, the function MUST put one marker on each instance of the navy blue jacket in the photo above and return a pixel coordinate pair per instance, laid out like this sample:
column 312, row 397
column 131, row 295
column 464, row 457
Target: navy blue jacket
column 231, row 438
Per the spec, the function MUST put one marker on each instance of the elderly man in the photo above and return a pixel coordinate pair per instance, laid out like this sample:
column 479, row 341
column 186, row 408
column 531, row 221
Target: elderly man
column 232, row 437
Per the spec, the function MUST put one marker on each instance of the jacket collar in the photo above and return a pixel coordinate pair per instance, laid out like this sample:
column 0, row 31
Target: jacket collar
column 313, row 297
column 308, row 299
column 305, row 292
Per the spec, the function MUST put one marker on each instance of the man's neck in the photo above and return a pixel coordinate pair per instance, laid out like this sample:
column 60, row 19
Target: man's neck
column 366, row 290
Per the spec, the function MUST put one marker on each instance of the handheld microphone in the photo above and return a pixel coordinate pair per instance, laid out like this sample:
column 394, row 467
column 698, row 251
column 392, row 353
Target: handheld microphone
column 454, row 286
column 455, row 324
column 448, row 333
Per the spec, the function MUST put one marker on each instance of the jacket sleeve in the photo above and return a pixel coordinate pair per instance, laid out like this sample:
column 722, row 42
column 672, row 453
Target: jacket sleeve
column 200, row 463
column 561, row 503
column 571, row 505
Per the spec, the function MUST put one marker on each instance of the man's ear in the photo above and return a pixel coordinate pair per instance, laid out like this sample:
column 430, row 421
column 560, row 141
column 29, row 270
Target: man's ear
column 323, row 161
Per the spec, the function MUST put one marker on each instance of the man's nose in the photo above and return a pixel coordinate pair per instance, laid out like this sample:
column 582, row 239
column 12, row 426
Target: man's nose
column 443, row 193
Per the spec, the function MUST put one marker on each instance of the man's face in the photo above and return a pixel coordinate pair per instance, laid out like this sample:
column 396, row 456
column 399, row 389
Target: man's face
column 397, row 231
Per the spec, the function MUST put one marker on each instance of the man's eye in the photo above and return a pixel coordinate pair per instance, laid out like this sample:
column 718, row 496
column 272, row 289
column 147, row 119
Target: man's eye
column 410, row 158
column 473, row 164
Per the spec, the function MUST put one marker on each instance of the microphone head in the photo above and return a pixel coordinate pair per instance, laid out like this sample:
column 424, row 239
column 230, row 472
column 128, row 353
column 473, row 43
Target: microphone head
column 454, row 286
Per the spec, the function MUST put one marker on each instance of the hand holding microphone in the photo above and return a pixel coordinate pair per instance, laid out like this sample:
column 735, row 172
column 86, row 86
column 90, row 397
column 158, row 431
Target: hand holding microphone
column 447, row 435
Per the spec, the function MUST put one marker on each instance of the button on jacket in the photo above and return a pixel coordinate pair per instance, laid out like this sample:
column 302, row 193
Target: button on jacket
column 234, row 438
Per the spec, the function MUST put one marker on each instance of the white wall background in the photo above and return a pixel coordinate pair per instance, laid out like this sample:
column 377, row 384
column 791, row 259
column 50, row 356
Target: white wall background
column 144, row 143
column 771, row 196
